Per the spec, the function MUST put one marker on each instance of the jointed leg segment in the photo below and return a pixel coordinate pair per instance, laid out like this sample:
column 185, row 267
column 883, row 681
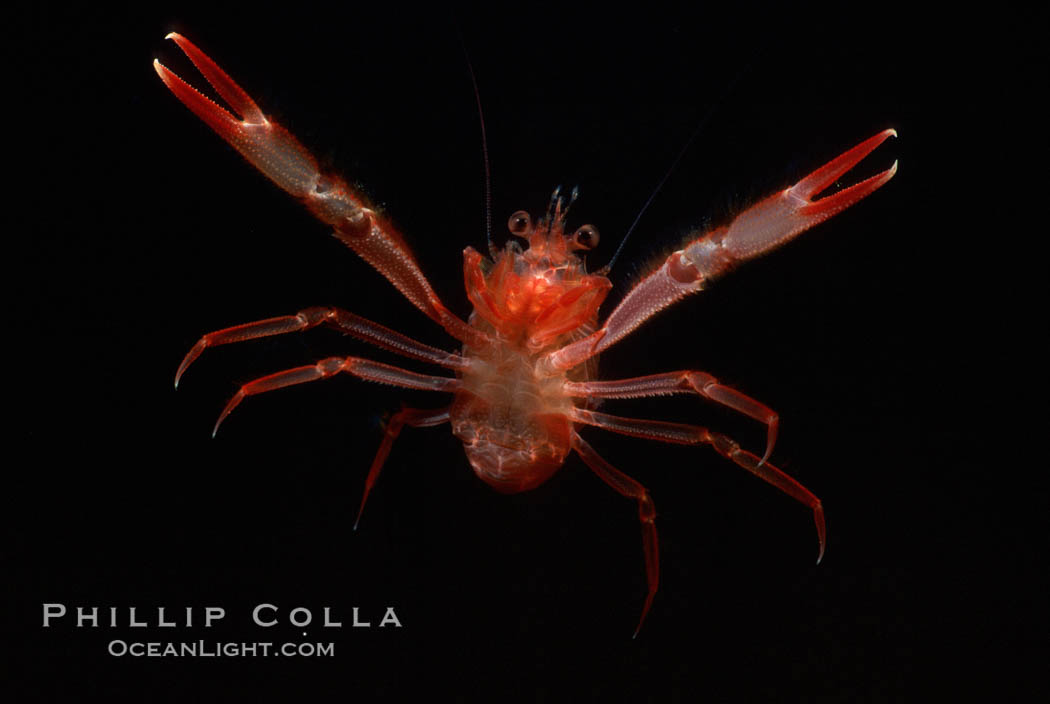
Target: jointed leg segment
column 683, row 382
column 341, row 320
column 415, row 417
column 684, row 434
column 646, row 514
column 361, row 368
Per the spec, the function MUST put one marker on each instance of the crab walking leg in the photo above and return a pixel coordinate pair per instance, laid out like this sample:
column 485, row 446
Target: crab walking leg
column 682, row 382
column 415, row 417
column 361, row 368
column 279, row 155
column 727, row 447
column 341, row 320
column 646, row 514
column 759, row 229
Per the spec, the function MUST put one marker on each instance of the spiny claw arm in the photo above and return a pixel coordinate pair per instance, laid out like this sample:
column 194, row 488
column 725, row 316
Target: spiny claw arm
column 765, row 226
column 279, row 155
column 780, row 217
column 268, row 146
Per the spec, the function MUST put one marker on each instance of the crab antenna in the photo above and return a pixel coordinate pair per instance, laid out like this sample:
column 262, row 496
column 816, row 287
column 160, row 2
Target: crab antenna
column 572, row 199
column 484, row 154
column 552, row 208
column 604, row 271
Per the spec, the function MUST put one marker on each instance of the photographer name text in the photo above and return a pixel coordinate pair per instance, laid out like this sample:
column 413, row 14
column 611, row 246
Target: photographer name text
column 263, row 615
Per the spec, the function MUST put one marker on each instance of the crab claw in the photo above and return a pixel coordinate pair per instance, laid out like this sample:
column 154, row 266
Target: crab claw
column 824, row 176
column 777, row 219
column 267, row 145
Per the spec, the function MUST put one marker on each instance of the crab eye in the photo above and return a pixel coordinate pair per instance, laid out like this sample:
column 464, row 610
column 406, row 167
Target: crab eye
column 520, row 223
column 586, row 237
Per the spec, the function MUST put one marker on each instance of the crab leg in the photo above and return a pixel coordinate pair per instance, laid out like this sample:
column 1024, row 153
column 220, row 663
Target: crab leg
column 337, row 318
column 415, row 417
column 279, row 155
column 361, row 368
column 682, row 382
column 646, row 514
column 759, row 229
column 684, row 434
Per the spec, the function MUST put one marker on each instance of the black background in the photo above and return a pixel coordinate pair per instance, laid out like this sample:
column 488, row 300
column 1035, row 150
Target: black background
column 140, row 230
